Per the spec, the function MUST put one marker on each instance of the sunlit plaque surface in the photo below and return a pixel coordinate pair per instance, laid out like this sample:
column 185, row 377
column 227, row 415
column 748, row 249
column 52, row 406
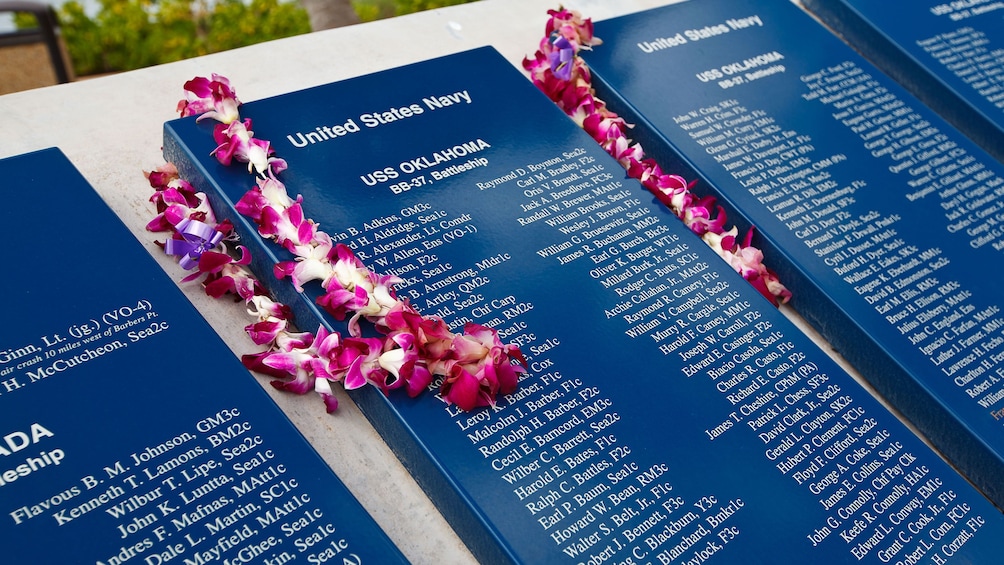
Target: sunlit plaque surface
column 129, row 433
column 884, row 220
column 949, row 54
column 669, row 414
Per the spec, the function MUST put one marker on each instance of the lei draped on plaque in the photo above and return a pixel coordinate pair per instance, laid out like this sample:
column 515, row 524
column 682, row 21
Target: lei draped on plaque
column 411, row 350
column 560, row 73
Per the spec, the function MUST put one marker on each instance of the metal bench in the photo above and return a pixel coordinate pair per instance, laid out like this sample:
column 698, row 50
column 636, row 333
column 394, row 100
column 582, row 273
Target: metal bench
column 36, row 57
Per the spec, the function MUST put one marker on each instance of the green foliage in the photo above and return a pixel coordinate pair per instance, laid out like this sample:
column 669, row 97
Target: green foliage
column 83, row 39
column 370, row 10
column 130, row 34
column 24, row 20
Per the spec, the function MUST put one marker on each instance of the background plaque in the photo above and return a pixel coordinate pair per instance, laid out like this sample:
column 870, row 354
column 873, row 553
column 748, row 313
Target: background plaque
column 669, row 414
column 128, row 432
column 948, row 54
column 884, row 221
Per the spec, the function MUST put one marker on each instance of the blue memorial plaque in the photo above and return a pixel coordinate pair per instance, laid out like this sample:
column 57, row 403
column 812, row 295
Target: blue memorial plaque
column 884, row 221
column 948, row 54
column 129, row 433
column 670, row 414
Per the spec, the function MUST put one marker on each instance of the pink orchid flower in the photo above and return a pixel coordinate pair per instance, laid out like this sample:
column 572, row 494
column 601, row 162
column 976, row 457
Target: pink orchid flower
column 571, row 24
column 357, row 359
column 311, row 264
column 292, row 365
column 561, row 74
column 269, row 193
column 236, row 141
column 299, row 362
column 354, row 288
column 227, row 275
column 212, row 98
column 433, row 338
column 272, row 319
column 175, row 200
column 406, row 365
column 289, row 227
column 481, row 368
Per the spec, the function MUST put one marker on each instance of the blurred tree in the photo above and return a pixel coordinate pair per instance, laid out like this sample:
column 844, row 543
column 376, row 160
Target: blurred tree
column 130, row 34
column 326, row 14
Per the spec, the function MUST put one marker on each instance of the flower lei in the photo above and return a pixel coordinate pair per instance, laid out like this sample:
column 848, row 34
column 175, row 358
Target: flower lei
column 476, row 367
column 560, row 73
